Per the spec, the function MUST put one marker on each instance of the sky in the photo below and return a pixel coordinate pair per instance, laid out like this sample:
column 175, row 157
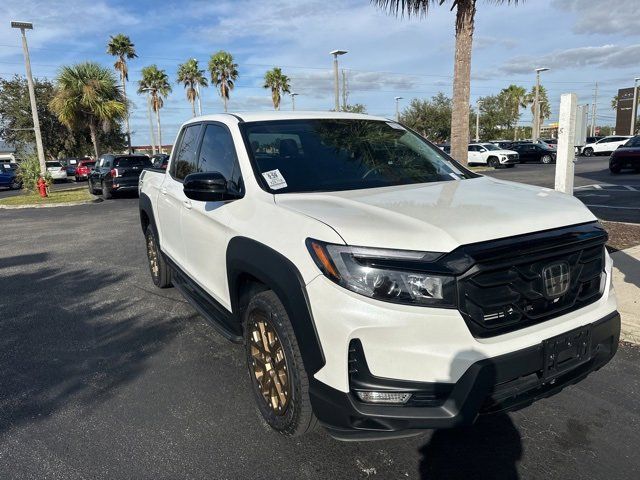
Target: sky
column 581, row 41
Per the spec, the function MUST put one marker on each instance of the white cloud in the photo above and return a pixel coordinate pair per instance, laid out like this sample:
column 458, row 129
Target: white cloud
column 611, row 56
column 611, row 17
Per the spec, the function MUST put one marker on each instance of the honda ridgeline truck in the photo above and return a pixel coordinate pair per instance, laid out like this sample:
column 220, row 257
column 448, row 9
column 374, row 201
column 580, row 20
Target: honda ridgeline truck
column 379, row 287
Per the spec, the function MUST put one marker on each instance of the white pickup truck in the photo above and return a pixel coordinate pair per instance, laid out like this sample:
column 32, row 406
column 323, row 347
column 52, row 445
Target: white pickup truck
column 379, row 287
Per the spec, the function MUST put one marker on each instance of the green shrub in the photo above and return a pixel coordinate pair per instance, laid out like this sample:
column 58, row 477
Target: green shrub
column 29, row 173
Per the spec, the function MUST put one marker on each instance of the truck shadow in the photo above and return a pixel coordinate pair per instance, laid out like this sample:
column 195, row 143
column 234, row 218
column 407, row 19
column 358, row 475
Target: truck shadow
column 491, row 448
column 68, row 340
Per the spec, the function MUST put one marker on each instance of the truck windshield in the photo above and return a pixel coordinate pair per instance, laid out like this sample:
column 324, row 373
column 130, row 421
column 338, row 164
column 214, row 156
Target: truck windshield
column 343, row 154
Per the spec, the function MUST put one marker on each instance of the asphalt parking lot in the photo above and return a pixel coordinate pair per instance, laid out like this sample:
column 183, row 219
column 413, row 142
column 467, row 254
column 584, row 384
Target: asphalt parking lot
column 609, row 197
column 104, row 376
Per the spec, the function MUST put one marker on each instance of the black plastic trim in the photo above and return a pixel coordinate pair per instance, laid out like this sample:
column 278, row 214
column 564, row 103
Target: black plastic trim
column 278, row 273
column 212, row 311
column 504, row 383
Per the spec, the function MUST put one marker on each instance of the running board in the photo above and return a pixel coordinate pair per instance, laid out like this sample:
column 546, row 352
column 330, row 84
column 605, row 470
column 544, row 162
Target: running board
column 214, row 313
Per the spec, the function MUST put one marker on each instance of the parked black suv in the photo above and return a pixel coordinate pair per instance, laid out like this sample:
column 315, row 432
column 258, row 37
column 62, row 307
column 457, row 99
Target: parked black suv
column 534, row 152
column 117, row 173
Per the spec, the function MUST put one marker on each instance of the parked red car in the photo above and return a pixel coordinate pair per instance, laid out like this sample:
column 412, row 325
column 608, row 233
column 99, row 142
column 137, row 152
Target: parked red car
column 83, row 169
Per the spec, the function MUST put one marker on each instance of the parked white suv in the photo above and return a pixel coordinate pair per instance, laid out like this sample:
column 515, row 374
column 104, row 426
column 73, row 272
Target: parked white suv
column 379, row 287
column 604, row 146
column 492, row 155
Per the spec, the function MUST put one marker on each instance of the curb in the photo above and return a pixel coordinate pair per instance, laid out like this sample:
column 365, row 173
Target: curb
column 626, row 281
column 50, row 205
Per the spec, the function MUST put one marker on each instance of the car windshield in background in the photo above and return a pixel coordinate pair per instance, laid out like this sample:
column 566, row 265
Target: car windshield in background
column 53, row 164
column 491, row 146
column 340, row 154
column 633, row 142
column 125, row 162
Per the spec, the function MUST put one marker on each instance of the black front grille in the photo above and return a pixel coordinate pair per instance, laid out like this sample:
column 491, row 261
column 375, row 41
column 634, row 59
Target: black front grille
column 499, row 296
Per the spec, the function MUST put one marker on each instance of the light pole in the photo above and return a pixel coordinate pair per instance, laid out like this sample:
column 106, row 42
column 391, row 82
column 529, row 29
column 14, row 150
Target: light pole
column 153, row 137
column 336, row 88
column 398, row 108
column 634, row 105
column 536, row 106
column 293, row 101
column 32, row 94
column 198, row 93
column 478, row 102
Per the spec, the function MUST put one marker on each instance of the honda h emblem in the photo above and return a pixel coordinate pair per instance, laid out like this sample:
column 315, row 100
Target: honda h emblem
column 556, row 279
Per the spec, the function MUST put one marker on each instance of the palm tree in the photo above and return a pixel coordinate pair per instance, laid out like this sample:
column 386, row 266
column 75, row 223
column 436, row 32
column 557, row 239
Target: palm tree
column 278, row 83
column 465, row 22
column 543, row 99
column 192, row 77
column 87, row 94
column 120, row 46
column 155, row 82
column 223, row 73
column 515, row 98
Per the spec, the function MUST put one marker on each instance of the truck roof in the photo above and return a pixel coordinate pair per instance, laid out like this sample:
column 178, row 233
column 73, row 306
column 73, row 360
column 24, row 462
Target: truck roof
column 280, row 115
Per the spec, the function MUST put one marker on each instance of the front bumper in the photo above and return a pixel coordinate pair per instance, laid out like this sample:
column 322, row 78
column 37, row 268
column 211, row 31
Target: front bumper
column 502, row 383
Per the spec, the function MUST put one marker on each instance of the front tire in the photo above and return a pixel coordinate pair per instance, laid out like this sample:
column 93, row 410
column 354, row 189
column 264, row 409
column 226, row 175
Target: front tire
column 160, row 273
column 92, row 189
column 278, row 378
column 615, row 170
column 588, row 152
column 493, row 162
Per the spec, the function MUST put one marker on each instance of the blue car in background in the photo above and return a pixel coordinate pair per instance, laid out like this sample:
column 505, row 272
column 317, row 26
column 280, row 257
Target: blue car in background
column 8, row 176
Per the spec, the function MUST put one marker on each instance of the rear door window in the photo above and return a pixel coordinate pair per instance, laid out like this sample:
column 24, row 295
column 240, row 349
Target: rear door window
column 185, row 161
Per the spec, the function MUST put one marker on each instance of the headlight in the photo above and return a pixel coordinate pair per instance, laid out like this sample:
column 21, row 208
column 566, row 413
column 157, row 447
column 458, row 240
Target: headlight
column 391, row 275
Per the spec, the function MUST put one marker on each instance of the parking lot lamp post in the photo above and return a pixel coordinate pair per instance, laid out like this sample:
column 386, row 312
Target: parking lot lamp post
column 398, row 108
column 478, row 103
column 153, row 137
column 23, row 26
column 634, row 105
column 293, row 101
column 536, row 106
column 336, row 88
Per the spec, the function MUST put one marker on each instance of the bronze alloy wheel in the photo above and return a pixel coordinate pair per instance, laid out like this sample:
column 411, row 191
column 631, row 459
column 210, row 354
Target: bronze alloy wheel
column 269, row 363
column 152, row 254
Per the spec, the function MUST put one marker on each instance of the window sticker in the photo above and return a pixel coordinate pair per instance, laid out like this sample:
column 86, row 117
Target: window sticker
column 274, row 179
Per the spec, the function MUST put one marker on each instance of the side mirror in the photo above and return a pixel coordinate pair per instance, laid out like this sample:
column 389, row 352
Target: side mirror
column 207, row 187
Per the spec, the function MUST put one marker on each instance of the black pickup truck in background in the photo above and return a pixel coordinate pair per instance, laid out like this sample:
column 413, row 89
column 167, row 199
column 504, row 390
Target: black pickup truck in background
column 117, row 173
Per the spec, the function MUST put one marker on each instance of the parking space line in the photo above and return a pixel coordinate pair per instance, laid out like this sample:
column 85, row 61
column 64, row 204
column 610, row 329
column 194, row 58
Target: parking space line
column 629, row 187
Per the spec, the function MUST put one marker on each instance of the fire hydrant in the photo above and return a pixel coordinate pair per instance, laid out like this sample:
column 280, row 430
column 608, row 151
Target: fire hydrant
column 42, row 187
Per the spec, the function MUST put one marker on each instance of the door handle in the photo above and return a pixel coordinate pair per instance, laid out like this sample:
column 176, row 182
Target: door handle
column 163, row 191
column 187, row 204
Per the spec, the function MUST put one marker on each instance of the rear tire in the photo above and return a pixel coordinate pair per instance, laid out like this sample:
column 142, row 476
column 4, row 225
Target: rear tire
column 278, row 378
column 15, row 185
column 106, row 193
column 546, row 159
column 615, row 170
column 160, row 273
column 92, row 190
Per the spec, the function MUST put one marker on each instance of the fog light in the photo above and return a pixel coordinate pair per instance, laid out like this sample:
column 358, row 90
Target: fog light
column 384, row 397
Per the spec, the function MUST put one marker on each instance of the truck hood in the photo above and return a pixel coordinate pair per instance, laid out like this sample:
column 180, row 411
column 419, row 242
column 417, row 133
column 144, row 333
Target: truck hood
column 440, row 216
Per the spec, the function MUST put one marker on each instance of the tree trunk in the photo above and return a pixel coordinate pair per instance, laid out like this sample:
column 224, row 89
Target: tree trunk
column 465, row 14
column 93, row 131
column 159, row 130
column 193, row 107
column 223, row 91
column 126, row 117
